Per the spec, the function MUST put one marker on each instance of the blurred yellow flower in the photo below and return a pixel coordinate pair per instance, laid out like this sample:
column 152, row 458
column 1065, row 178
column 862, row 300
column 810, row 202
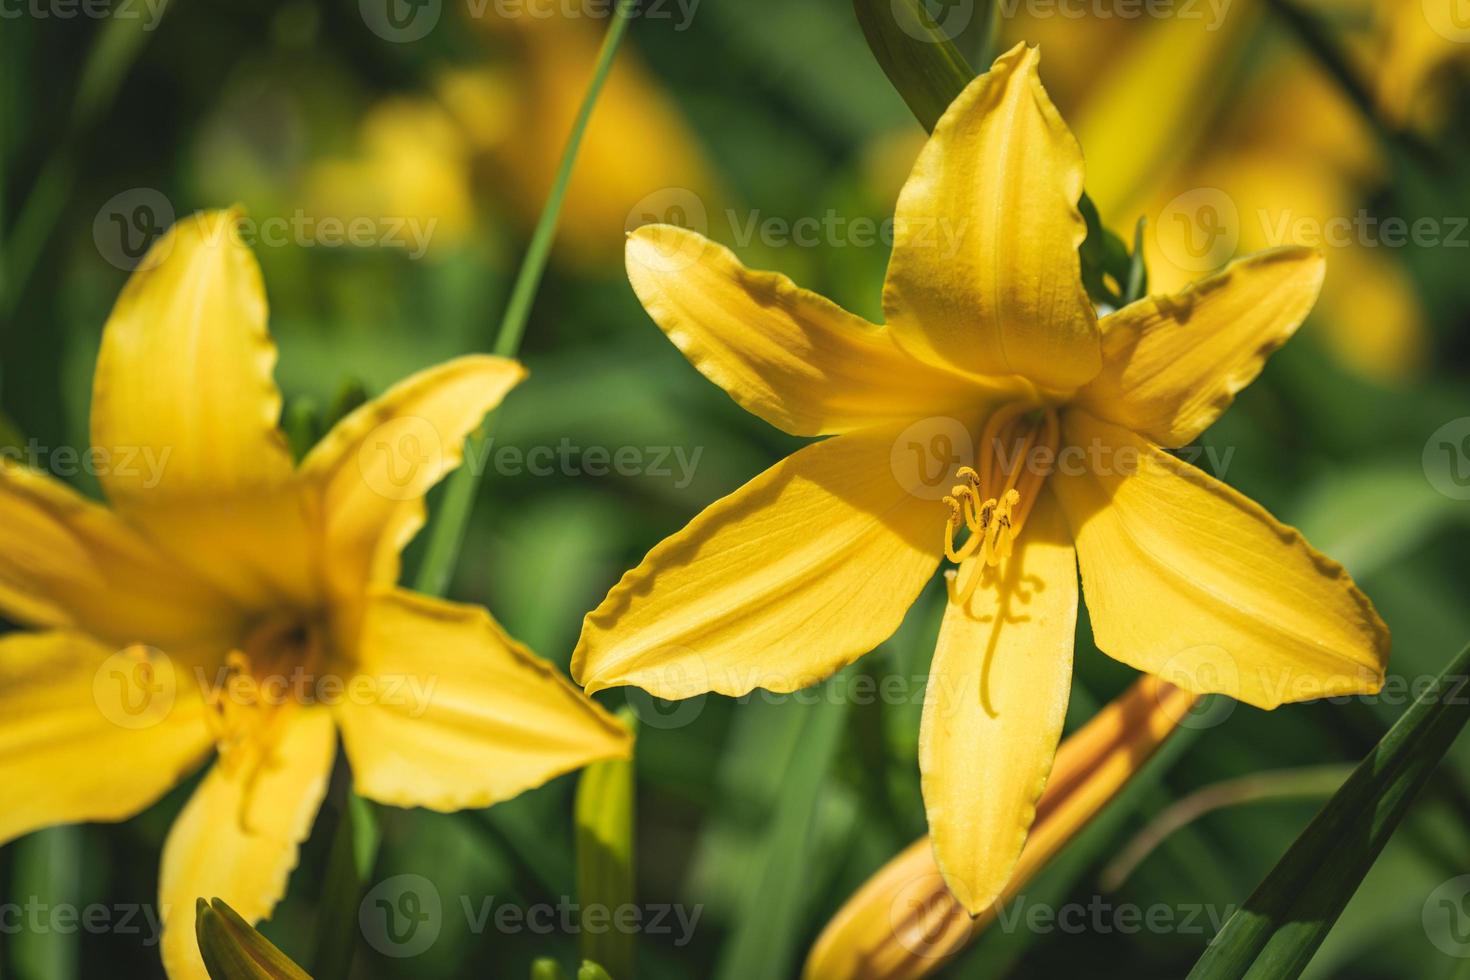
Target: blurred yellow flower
column 903, row 923
column 233, row 600
column 500, row 130
column 991, row 342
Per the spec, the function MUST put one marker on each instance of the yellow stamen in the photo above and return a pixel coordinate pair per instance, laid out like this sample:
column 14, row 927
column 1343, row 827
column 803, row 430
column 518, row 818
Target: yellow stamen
column 1012, row 469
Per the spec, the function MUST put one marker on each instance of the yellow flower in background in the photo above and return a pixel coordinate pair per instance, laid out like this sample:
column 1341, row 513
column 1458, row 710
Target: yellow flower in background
column 903, row 923
column 991, row 343
column 233, row 602
column 413, row 164
column 499, row 129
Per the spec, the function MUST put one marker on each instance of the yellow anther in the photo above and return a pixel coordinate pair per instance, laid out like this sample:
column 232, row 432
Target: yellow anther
column 1013, row 471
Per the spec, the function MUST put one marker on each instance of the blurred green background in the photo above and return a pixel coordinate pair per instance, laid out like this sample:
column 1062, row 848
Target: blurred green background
column 739, row 118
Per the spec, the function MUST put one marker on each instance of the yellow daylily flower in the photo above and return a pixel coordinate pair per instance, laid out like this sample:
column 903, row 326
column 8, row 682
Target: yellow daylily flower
column 903, row 923
column 231, row 600
column 990, row 341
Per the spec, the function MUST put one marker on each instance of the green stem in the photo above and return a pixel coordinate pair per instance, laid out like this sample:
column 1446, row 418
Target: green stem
column 447, row 534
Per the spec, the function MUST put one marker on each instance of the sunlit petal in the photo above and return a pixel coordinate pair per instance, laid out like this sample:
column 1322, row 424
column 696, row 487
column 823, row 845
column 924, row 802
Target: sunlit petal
column 1189, row 580
column 985, row 275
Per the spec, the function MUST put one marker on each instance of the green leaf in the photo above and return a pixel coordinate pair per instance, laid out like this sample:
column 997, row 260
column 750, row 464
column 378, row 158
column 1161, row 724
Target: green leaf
column 604, row 815
column 349, row 868
column 915, row 52
column 547, row 968
column 591, row 971
column 768, row 924
column 1280, row 926
column 233, row 950
column 47, row 865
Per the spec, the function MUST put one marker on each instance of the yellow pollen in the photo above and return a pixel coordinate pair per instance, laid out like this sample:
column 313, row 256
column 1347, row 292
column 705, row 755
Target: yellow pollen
column 993, row 502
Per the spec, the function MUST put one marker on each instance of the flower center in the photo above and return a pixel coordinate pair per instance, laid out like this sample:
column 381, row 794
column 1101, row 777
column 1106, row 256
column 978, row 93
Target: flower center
column 261, row 685
column 1016, row 452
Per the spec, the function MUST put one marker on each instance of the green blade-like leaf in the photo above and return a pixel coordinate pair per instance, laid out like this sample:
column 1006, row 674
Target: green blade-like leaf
column 1280, row 926
column 354, row 853
column 604, row 813
column 768, row 924
column 916, row 53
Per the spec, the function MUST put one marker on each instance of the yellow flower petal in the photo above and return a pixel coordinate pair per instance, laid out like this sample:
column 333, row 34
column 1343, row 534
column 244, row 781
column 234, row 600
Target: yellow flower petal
column 68, row 562
column 1172, row 364
column 71, row 708
column 904, row 923
column 1191, row 581
column 238, row 836
column 985, row 275
column 993, row 713
column 184, row 385
column 782, row 583
column 372, row 470
column 457, row 714
column 789, row 355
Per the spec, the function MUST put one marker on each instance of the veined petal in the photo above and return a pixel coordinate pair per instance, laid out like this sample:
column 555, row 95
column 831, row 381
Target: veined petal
column 90, row 732
column 985, row 276
column 1189, row 580
column 370, row 473
column 996, row 701
column 1172, row 364
column 238, row 836
column 184, row 382
column 782, row 583
column 904, row 923
column 458, row 714
column 70, row 563
column 789, row 355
